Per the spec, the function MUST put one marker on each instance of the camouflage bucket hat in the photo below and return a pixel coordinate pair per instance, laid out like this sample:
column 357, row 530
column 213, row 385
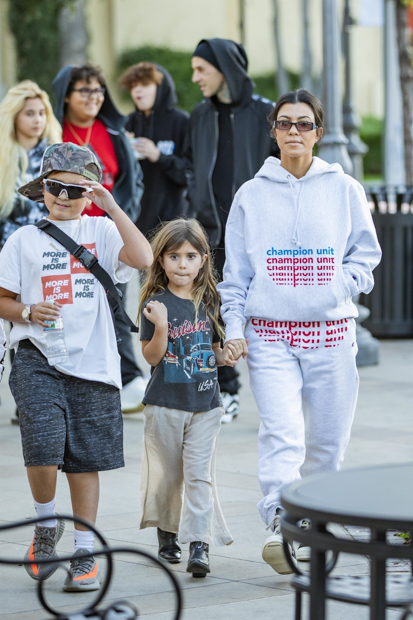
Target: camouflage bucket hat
column 63, row 157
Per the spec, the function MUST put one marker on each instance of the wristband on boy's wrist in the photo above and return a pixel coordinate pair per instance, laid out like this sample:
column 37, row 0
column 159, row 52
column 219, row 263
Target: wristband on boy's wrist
column 26, row 313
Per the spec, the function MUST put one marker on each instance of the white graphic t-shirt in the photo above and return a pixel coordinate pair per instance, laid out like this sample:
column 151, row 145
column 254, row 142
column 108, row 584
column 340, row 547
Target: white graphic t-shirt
column 38, row 268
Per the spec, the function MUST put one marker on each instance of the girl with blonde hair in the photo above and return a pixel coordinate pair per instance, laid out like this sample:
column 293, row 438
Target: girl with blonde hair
column 27, row 127
column 181, row 337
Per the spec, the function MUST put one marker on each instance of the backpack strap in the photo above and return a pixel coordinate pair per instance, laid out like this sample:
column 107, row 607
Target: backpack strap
column 91, row 263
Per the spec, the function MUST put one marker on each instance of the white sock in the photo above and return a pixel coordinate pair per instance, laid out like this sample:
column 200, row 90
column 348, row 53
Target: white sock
column 84, row 540
column 46, row 510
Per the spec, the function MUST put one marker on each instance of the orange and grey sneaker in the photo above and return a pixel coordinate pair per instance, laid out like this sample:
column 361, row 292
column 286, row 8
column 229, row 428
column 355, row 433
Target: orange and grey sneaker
column 43, row 546
column 83, row 573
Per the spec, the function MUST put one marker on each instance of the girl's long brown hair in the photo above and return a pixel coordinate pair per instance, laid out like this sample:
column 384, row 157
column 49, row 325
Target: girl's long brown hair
column 169, row 237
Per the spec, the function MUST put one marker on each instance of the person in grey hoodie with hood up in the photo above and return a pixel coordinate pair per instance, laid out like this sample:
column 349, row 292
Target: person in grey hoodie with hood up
column 229, row 141
column 300, row 244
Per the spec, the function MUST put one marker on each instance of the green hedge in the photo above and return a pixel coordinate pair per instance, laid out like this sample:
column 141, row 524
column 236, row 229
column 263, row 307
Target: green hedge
column 371, row 132
column 177, row 63
column 35, row 26
column 265, row 85
column 179, row 66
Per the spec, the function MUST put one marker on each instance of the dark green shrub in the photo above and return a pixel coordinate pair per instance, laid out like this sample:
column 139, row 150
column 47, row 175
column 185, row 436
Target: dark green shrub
column 371, row 132
column 265, row 85
column 35, row 26
column 179, row 66
column 177, row 63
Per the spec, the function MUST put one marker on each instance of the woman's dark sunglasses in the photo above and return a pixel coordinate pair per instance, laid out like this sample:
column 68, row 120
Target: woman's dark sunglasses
column 74, row 192
column 300, row 125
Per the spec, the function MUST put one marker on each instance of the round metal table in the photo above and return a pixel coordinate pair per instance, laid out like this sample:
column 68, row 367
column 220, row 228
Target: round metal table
column 379, row 498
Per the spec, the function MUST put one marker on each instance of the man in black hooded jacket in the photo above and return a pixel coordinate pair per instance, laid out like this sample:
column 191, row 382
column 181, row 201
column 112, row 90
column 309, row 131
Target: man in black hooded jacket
column 229, row 141
column 89, row 117
column 160, row 134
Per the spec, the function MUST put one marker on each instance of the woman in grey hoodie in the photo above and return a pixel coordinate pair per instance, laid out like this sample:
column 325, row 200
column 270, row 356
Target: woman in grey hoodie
column 300, row 244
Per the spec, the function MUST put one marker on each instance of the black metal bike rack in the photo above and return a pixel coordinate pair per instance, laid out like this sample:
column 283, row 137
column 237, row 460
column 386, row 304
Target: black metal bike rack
column 120, row 610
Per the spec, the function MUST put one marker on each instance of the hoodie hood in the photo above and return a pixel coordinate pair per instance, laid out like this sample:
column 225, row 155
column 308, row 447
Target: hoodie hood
column 165, row 101
column 108, row 113
column 273, row 171
column 233, row 63
column 166, row 98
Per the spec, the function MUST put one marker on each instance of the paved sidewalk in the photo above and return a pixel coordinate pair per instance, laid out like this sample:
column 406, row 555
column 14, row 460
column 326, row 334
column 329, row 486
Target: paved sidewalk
column 241, row 585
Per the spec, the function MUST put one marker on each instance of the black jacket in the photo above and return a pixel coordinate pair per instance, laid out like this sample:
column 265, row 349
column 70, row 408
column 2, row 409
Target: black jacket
column 251, row 136
column 165, row 180
column 128, row 187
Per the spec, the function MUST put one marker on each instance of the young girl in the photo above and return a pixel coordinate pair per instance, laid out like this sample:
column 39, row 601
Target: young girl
column 181, row 334
column 300, row 244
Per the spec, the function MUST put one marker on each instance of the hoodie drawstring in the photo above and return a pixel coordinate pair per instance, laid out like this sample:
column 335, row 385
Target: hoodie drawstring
column 295, row 239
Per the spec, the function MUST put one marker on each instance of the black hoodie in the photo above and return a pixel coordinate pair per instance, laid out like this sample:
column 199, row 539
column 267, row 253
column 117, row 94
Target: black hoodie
column 165, row 180
column 251, row 139
column 128, row 187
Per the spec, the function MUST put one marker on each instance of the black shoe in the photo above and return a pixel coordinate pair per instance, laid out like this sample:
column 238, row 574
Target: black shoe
column 169, row 549
column 198, row 562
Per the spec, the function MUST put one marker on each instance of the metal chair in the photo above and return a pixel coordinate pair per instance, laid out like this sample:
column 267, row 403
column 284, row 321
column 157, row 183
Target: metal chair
column 347, row 589
column 120, row 610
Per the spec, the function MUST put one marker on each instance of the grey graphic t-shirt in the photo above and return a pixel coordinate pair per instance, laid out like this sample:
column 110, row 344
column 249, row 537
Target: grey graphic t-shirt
column 186, row 378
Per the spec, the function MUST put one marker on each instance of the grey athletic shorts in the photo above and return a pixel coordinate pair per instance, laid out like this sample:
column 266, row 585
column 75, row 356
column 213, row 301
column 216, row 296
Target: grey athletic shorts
column 65, row 421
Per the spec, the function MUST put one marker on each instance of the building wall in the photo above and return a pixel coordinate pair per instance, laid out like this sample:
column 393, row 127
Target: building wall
column 116, row 25
column 7, row 52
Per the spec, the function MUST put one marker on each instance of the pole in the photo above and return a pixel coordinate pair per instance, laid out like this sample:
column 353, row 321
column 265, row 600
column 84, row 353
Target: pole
column 282, row 80
column 333, row 145
column 351, row 120
column 394, row 168
column 306, row 79
column 242, row 21
column 73, row 34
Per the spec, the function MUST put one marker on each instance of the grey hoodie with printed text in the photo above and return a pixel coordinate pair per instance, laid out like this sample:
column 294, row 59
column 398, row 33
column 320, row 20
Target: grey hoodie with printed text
column 297, row 249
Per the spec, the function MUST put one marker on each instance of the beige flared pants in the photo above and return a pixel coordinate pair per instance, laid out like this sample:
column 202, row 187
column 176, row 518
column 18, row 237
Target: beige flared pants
column 178, row 475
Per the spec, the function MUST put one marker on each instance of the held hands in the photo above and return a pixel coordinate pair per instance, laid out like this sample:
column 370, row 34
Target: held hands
column 233, row 350
column 44, row 311
column 99, row 195
column 156, row 313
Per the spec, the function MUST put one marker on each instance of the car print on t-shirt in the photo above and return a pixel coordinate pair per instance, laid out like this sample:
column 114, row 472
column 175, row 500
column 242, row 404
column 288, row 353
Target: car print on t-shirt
column 190, row 357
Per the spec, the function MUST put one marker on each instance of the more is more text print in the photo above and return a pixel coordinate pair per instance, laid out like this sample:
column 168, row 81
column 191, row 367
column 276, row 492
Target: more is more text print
column 58, row 289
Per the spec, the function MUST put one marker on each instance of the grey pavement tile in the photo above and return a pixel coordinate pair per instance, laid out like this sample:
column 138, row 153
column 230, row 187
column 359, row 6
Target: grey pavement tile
column 280, row 608
column 225, row 564
column 237, row 480
column 242, row 586
column 200, row 598
column 230, row 494
column 231, row 508
column 118, row 520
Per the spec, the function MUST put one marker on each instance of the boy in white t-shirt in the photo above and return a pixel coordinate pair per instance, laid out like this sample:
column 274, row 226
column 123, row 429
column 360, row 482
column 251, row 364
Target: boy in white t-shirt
column 70, row 414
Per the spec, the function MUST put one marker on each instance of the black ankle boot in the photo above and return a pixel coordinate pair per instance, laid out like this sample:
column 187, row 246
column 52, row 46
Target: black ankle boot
column 169, row 549
column 198, row 562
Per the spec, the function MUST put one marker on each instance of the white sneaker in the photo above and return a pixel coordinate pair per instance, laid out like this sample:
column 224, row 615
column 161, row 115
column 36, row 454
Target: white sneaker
column 230, row 402
column 132, row 394
column 273, row 551
column 303, row 552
